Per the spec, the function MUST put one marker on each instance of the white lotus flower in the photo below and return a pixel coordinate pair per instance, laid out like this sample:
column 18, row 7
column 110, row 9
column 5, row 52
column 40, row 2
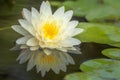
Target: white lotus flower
column 47, row 38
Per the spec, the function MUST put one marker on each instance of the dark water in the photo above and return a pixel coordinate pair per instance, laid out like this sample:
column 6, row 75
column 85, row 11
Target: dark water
column 10, row 12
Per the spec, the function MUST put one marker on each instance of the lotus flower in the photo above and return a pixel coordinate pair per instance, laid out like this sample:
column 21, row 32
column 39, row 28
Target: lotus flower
column 48, row 37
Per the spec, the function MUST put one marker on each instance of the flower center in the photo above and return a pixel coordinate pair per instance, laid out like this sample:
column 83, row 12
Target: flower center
column 51, row 30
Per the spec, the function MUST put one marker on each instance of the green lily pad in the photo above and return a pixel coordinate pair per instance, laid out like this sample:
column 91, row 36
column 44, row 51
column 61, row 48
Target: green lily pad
column 95, row 64
column 112, row 53
column 113, row 3
column 100, row 33
column 103, row 13
column 81, row 76
column 97, row 69
column 79, row 7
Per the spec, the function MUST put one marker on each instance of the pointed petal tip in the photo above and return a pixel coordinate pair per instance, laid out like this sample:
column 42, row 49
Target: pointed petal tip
column 20, row 20
column 70, row 12
column 47, row 2
column 32, row 8
column 82, row 29
column 12, row 26
column 17, row 59
column 24, row 9
column 28, row 69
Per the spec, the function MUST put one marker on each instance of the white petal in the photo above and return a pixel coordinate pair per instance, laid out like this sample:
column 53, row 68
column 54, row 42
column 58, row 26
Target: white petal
column 68, row 15
column 73, row 24
column 45, row 9
column 59, row 12
column 34, row 48
column 47, row 51
column 23, row 46
column 70, row 42
column 27, row 26
column 77, row 31
column 22, row 40
column 74, row 51
column 32, row 42
column 20, row 30
column 16, row 47
column 27, row 14
column 62, row 49
column 70, row 28
column 35, row 17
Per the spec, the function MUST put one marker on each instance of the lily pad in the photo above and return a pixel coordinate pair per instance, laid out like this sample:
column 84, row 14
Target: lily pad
column 103, row 13
column 113, row 3
column 100, row 33
column 112, row 53
column 97, row 69
column 79, row 7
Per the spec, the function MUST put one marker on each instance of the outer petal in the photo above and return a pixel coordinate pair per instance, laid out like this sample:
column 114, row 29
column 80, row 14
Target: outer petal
column 68, row 16
column 68, row 31
column 27, row 26
column 20, row 30
column 47, row 51
column 27, row 14
column 45, row 9
column 59, row 12
column 23, row 40
column 72, row 24
column 35, row 17
column 77, row 31
column 34, row 48
column 32, row 42
column 24, row 46
column 70, row 42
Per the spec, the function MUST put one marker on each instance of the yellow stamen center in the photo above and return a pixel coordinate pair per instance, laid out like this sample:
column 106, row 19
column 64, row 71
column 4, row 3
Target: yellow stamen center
column 51, row 30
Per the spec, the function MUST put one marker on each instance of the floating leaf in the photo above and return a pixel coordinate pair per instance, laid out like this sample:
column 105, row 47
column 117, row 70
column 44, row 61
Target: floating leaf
column 113, row 3
column 97, row 69
column 103, row 13
column 100, row 33
column 79, row 7
column 81, row 76
column 112, row 53
column 95, row 64
column 93, row 10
